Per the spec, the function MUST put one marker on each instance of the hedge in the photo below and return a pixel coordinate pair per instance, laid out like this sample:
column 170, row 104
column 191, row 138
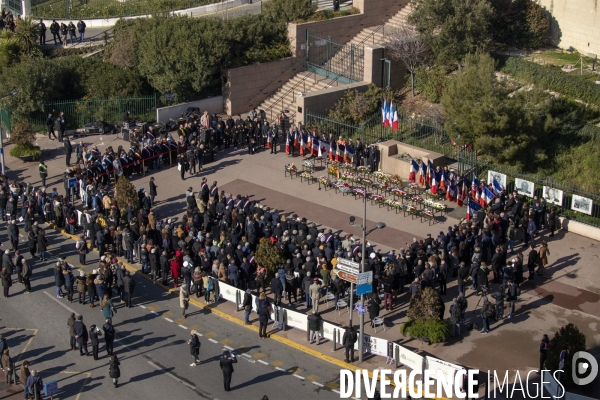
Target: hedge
column 553, row 78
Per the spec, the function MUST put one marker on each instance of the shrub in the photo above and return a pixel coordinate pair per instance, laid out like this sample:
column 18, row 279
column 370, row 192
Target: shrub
column 431, row 82
column 22, row 133
column 269, row 256
column 568, row 338
column 435, row 331
column 553, row 78
column 125, row 192
column 355, row 107
column 21, row 150
column 426, row 305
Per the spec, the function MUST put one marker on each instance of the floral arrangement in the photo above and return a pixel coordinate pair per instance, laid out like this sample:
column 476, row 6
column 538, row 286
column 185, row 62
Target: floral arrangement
column 428, row 193
column 362, row 169
column 333, row 170
column 367, row 182
column 291, row 168
column 345, row 189
column 308, row 164
column 399, row 192
column 395, row 180
column 324, row 180
column 413, row 185
column 347, row 166
column 351, row 177
column 427, row 214
column 417, row 199
column 437, row 206
column 410, row 209
column 359, row 191
column 382, row 175
column 381, row 185
column 306, row 175
column 393, row 203
column 377, row 198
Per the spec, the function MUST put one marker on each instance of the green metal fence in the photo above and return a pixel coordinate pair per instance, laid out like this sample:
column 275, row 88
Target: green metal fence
column 83, row 9
column 433, row 137
column 81, row 112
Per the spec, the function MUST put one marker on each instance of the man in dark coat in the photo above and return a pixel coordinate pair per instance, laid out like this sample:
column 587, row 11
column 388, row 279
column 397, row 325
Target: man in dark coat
column 109, row 336
column 94, row 333
column 81, row 334
column 226, row 363
column 153, row 192
column 194, row 343
column 277, row 288
column 350, row 337
column 68, row 151
column 128, row 286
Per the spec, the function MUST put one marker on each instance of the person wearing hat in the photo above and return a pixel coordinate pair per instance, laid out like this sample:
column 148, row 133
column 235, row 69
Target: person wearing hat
column 226, row 363
column 195, row 344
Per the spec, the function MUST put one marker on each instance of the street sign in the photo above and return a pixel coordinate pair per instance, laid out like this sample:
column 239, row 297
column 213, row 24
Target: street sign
column 72, row 183
column 365, row 283
column 359, row 309
column 50, row 388
column 352, row 278
column 347, row 269
column 348, row 263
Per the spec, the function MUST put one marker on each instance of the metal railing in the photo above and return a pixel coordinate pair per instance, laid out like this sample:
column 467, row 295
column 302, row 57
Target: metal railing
column 322, row 58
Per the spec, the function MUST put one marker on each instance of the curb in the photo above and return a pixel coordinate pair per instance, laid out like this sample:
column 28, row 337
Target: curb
column 279, row 338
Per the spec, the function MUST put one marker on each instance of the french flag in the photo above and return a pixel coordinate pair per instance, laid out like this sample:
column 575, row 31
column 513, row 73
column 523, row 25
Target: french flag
column 309, row 142
column 323, row 150
column 472, row 208
column 269, row 138
column 414, row 167
column 388, row 115
column 341, row 150
column 302, row 145
column 443, row 179
column 496, row 187
column 395, row 120
column 482, row 188
column 461, row 190
column 383, row 108
column 349, row 154
column 287, row 144
column 474, row 186
column 450, row 192
column 434, row 182
column 332, row 151
column 430, row 172
column 315, row 147
column 296, row 139
column 422, row 173
column 488, row 196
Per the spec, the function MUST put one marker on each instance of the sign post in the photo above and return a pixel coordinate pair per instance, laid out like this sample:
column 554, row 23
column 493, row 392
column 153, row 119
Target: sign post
column 72, row 184
column 365, row 283
column 350, row 270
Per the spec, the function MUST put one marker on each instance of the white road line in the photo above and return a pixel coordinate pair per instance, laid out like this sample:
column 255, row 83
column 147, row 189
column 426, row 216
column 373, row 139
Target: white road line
column 199, row 334
column 172, row 376
column 228, row 348
column 154, row 312
column 183, row 326
column 251, row 361
column 318, row 384
column 337, row 391
column 58, row 301
column 247, row 355
column 280, row 369
column 142, row 306
column 263, row 362
column 299, row 377
column 213, row 340
column 170, row 320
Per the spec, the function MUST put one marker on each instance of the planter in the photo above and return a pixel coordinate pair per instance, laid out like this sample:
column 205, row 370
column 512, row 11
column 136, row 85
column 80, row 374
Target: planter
column 26, row 158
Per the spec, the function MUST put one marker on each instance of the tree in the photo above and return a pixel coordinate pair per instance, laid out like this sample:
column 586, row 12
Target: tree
column 519, row 23
column 355, row 107
column 404, row 43
column 269, row 256
column 568, row 338
column 26, row 35
column 289, row 10
column 125, row 192
column 426, row 317
column 453, row 28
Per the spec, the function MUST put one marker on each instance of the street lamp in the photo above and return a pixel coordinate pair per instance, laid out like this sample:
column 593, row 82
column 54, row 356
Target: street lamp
column 363, row 226
column 12, row 93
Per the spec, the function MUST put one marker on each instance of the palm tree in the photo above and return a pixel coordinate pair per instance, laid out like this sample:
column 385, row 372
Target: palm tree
column 27, row 33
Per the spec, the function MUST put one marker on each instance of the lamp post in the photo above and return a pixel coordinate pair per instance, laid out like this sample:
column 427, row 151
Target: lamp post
column 363, row 226
column 14, row 92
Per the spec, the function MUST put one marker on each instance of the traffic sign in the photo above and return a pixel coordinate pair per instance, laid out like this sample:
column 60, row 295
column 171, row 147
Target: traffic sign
column 364, row 283
column 352, row 278
column 72, row 183
column 348, row 263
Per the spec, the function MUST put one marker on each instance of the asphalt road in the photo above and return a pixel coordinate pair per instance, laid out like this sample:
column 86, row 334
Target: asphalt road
column 151, row 345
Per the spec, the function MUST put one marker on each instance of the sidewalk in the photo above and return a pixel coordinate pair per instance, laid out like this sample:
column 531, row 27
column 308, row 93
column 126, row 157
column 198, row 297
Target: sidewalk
column 9, row 392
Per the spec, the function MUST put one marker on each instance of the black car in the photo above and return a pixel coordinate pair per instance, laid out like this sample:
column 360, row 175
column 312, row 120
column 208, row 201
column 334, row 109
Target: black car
column 99, row 128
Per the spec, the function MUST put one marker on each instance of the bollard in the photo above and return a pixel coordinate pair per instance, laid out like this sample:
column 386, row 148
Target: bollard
column 397, row 356
column 238, row 300
column 307, row 331
column 334, row 339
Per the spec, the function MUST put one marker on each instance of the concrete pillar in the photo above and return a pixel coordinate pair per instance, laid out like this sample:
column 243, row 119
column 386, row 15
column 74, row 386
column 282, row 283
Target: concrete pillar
column 373, row 67
column 25, row 8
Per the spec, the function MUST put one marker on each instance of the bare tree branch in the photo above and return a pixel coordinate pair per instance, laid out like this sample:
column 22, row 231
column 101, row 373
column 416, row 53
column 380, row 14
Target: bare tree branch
column 404, row 43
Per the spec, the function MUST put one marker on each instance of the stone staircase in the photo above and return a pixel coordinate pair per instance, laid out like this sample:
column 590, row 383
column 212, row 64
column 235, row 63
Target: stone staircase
column 285, row 97
column 373, row 35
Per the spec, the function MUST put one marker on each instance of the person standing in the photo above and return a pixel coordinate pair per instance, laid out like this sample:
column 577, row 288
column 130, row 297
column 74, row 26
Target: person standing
column 109, row 336
column 82, row 248
column 42, row 30
column 81, row 286
column 70, row 324
column 247, row 306
column 34, row 385
column 263, row 316
column 153, row 192
column 314, row 290
column 81, row 334
column 128, row 287
column 195, row 344
column 43, row 168
column 6, row 281
column 544, row 346
column 7, row 363
column 113, row 369
column 61, row 122
column 26, row 272
column 59, row 280
column 68, row 150
column 184, row 299
column 532, row 261
column 71, row 28
column 55, row 31
column 42, row 242
column 50, row 122
column 314, row 325
column 24, row 374
column 486, row 312
column 94, row 333
column 81, row 28
column 108, row 309
column 226, row 364
column 350, row 337
column 277, row 288
column 511, row 297
column 542, row 260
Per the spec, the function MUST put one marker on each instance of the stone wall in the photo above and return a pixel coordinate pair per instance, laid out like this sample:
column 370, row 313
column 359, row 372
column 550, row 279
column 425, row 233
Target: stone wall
column 321, row 101
column 212, row 105
column 574, row 23
column 246, row 87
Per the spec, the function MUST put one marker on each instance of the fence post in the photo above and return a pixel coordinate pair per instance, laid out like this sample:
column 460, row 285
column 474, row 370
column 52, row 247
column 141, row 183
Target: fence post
column 397, row 356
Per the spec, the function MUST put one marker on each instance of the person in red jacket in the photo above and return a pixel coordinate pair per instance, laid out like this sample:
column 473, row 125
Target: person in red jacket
column 175, row 270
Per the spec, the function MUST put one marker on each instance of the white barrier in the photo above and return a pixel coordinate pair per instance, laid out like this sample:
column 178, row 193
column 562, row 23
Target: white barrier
column 296, row 319
column 328, row 330
column 435, row 364
column 409, row 358
column 374, row 345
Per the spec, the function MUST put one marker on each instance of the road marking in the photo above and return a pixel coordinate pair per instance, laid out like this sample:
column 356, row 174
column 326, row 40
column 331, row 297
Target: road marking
column 226, row 341
column 259, row 355
column 35, row 331
column 280, row 369
column 312, row 378
column 170, row 375
column 213, row 340
column 183, row 326
column 168, row 314
column 199, row 334
column 332, row 385
column 262, row 362
column 337, row 391
column 195, row 328
column 154, row 312
column 142, row 306
column 298, row 376
column 276, row 363
column 170, row 320
column 294, row 370
column 210, row 334
column 247, row 355
column 152, row 307
column 251, row 361
column 318, row 384
column 228, row 348
column 58, row 301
